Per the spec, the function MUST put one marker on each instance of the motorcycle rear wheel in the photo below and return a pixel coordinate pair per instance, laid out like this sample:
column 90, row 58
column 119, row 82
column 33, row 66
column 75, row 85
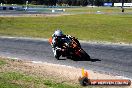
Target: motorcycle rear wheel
column 84, row 55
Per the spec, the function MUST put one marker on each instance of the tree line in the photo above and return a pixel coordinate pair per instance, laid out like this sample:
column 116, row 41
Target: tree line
column 64, row 2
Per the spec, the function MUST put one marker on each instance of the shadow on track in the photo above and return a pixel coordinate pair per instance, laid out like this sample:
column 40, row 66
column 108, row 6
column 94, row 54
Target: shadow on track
column 92, row 60
column 87, row 58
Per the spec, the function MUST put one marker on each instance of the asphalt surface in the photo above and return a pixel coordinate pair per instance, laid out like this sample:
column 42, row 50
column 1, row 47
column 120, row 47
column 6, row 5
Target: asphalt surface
column 35, row 12
column 21, row 13
column 110, row 59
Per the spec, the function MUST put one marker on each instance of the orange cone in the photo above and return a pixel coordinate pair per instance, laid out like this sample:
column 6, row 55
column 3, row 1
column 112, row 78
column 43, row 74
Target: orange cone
column 86, row 74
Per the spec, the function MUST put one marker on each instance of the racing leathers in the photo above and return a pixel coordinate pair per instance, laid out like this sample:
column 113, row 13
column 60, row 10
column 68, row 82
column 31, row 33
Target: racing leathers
column 57, row 42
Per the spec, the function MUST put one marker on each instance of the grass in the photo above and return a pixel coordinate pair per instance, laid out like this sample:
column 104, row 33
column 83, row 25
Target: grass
column 98, row 27
column 95, row 9
column 19, row 80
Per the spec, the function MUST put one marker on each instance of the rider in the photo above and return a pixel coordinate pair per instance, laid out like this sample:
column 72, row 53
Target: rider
column 58, row 38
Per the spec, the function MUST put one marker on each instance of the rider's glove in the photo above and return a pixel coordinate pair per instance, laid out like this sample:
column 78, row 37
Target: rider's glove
column 57, row 48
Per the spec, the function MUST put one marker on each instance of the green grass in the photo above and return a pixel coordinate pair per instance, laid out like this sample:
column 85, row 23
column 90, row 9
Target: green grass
column 100, row 27
column 19, row 80
column 95, row 9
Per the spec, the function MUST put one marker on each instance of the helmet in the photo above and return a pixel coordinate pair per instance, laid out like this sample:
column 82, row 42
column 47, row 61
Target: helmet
column 58, row 33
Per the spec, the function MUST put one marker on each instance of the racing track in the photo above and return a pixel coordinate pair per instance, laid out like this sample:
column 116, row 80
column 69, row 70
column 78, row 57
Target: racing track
column 112, row 59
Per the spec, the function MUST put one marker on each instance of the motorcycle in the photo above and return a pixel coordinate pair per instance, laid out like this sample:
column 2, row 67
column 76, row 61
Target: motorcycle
column 71, row 49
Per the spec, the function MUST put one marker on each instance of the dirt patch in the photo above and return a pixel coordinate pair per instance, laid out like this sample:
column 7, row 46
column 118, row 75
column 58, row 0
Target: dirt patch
column 60, row 73
column 33, row 15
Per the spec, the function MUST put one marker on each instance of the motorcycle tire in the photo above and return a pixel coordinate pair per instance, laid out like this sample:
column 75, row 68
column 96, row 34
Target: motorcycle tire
column 58, row 54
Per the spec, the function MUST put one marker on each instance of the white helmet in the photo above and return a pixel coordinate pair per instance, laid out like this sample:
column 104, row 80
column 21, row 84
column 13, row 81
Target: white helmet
column 58, row 33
